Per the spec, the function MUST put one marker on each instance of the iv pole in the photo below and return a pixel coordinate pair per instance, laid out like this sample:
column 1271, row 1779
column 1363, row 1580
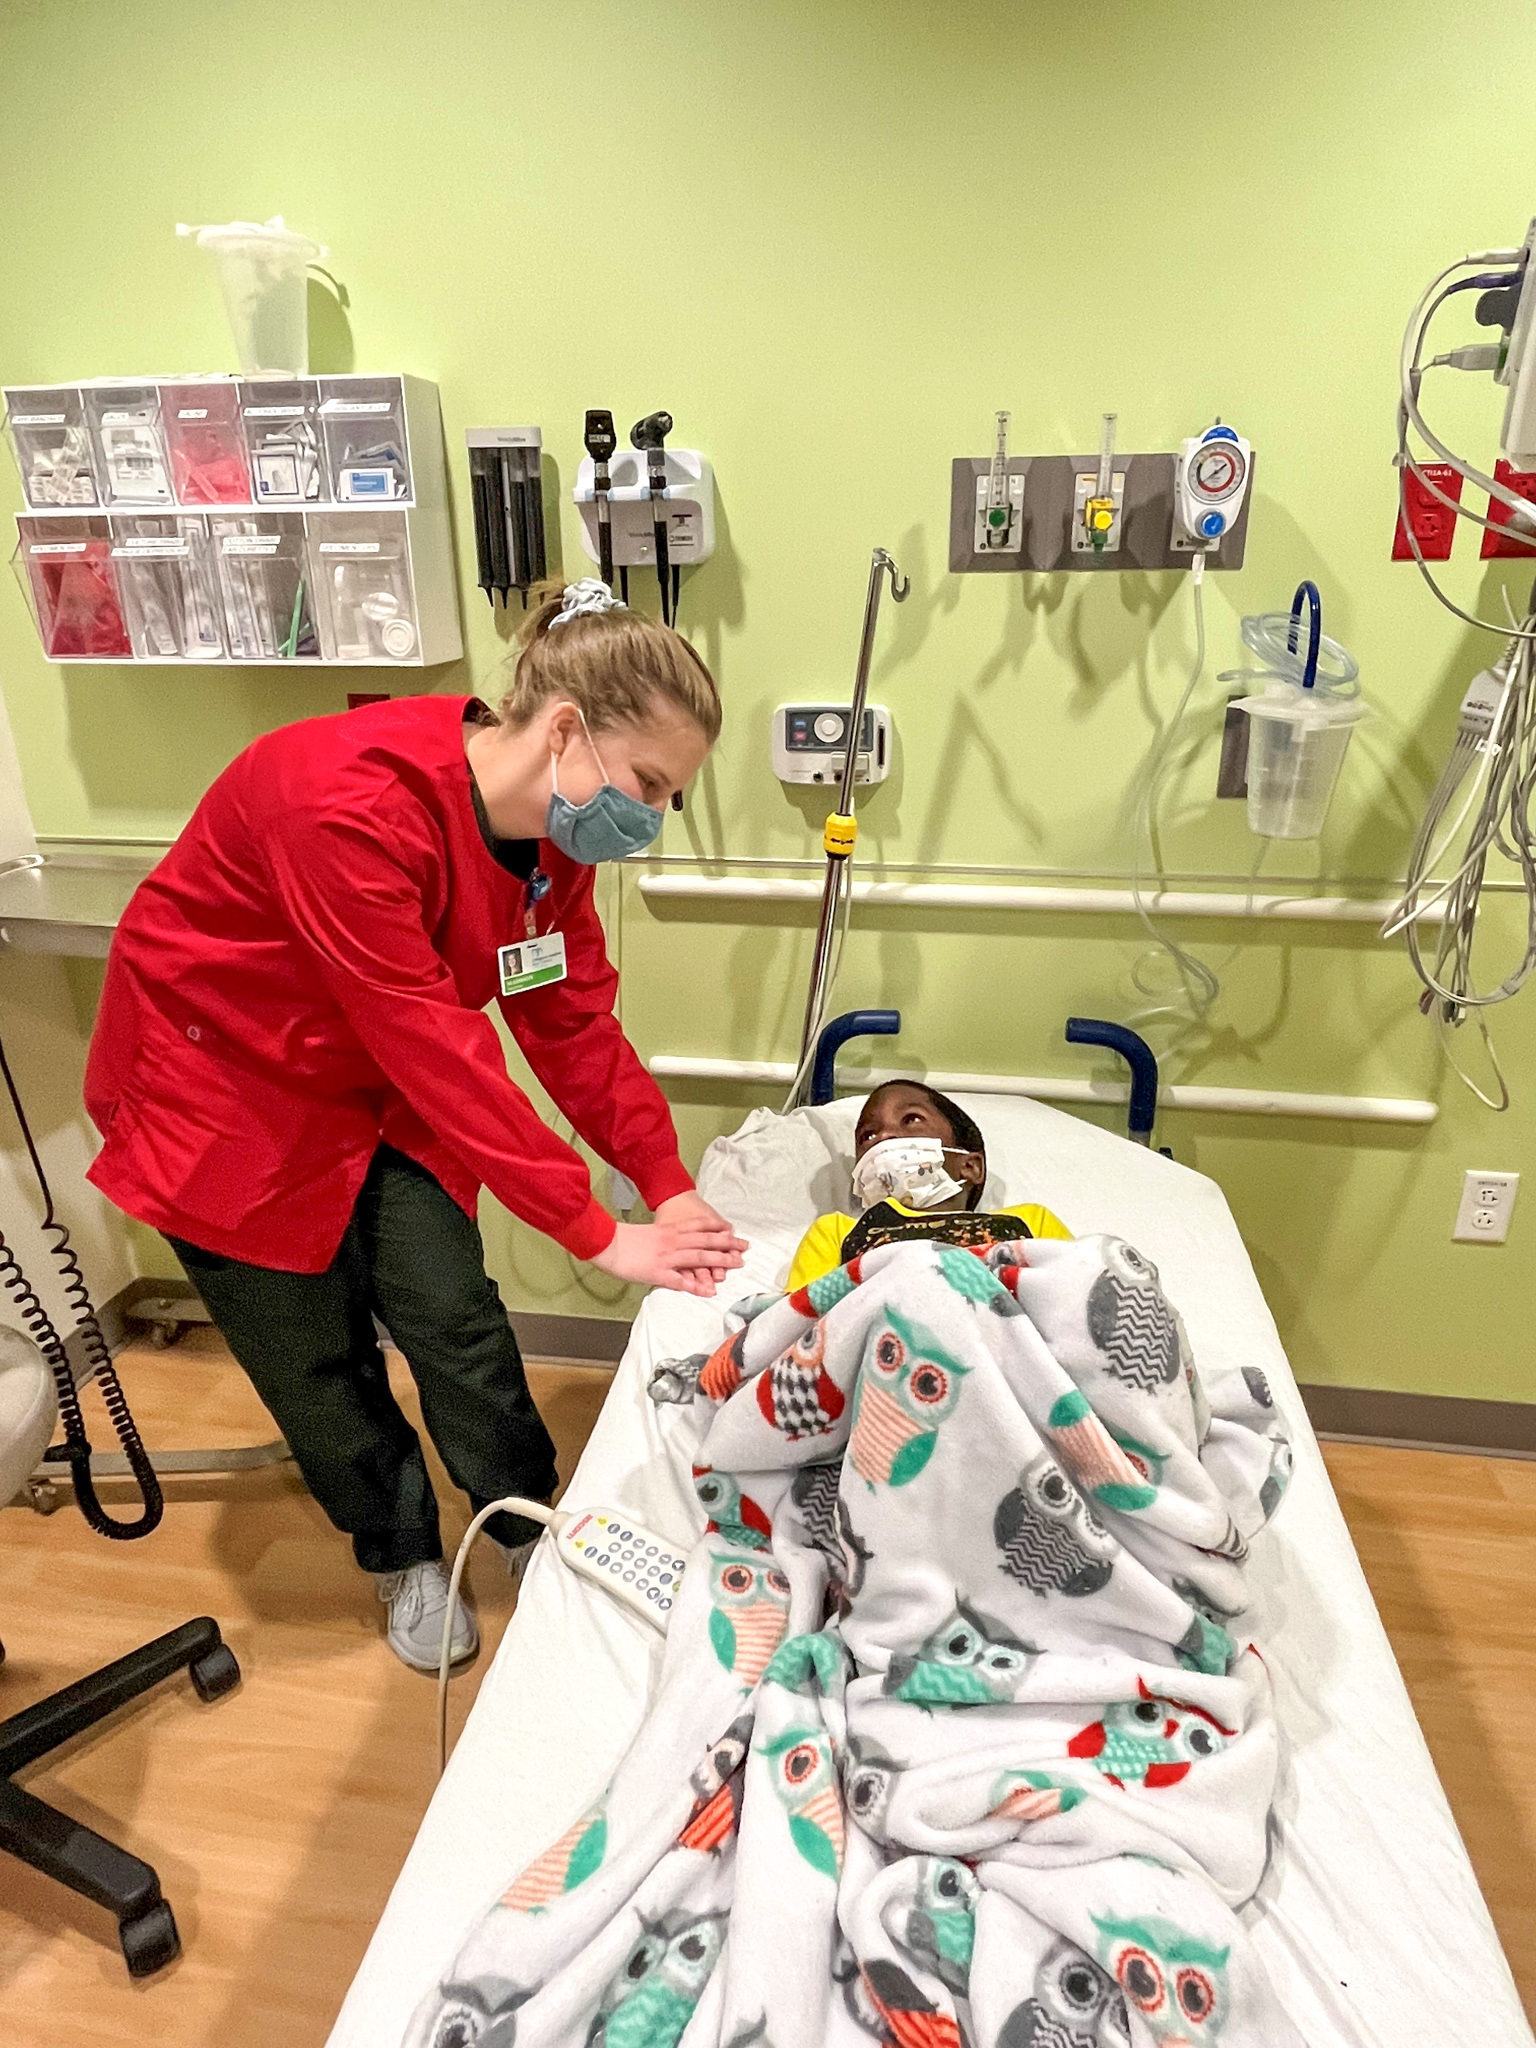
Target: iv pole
column 842, row 828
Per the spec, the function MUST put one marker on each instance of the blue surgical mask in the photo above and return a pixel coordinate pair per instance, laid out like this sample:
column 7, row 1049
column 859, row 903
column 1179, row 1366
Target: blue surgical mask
column 608, row 826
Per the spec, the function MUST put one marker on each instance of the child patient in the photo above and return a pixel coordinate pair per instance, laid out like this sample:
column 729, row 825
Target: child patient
column 919, row 1167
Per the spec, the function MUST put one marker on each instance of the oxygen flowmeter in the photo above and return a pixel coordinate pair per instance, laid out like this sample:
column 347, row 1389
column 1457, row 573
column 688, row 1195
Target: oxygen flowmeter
column 1209, row 482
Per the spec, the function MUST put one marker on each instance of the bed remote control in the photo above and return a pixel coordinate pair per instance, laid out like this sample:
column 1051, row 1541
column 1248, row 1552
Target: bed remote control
column 637, row 1566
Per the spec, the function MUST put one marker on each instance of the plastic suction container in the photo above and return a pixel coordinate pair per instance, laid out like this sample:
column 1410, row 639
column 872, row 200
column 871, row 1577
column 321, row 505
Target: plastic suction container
column 1297, row 740
column 264, row 272
column 1299, row 726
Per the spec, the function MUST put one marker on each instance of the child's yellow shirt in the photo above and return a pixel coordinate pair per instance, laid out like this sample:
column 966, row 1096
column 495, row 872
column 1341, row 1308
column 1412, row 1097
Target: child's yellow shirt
column 821, row 1248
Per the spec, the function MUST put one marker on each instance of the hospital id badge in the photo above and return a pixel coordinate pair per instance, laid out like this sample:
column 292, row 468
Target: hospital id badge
column 531, row 963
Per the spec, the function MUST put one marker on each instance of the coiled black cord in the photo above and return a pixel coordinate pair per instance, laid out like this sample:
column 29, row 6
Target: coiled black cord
column 75, row 1451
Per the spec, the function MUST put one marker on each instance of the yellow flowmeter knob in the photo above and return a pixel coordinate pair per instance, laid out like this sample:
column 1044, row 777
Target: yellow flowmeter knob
column 839, row 834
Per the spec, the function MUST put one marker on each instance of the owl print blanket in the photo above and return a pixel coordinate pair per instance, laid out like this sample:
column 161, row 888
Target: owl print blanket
column 958, row 1741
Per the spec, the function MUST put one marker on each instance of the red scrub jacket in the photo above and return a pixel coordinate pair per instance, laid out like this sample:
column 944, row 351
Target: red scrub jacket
column 305, row 976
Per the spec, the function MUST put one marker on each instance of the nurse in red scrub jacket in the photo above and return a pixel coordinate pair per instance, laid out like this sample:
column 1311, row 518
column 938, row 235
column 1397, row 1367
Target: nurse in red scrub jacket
column 297, row 1082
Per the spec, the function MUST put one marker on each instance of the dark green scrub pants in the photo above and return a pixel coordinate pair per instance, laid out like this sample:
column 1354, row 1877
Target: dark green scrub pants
column 413, row 1258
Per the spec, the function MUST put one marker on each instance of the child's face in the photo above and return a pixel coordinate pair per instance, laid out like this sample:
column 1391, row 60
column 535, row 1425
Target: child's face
column 899, row 1110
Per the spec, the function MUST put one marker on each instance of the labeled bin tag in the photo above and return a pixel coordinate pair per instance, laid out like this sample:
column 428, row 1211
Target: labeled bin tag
column 531, row 963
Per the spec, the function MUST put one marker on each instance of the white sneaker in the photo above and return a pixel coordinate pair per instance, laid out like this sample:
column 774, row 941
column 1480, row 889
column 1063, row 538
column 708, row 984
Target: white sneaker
column 417, row 1599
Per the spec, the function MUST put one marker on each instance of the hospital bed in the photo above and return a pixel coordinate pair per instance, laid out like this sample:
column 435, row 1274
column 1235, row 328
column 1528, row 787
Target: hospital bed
column 1369, row 1920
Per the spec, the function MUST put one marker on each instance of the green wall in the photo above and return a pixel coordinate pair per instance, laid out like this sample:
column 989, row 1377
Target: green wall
column 832, row 239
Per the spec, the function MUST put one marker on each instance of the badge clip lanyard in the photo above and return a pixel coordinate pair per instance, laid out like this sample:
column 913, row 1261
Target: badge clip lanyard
column 538, row 887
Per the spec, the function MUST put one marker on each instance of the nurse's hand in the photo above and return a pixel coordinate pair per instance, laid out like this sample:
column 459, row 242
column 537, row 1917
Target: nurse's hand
column 686, row 1255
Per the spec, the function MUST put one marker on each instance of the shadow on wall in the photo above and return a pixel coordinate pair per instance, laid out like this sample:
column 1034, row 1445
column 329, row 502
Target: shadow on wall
column 331, row 350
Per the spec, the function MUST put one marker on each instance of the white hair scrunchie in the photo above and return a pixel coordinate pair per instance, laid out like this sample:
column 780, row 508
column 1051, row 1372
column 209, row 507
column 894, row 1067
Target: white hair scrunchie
column 589, row 595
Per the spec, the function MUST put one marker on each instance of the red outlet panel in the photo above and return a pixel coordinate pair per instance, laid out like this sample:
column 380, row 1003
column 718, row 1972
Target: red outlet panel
column 356, row 699
column 1434, row 524
column 1495, row 545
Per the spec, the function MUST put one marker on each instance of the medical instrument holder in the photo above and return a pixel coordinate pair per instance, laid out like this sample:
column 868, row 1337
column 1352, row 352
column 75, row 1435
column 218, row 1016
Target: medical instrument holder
column 841, row 829
column 506, row 481
column 852, row 1024
column 1141, row 1110
column 690, row 503
column 1150, row 534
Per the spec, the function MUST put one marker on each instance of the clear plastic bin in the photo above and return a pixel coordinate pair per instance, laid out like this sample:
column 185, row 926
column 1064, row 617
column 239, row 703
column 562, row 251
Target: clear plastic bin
column 169, row 592
column 71, row 583
column 265, row 585
column 363, row 419
column 1297, row 740
column 363, row 580
column 206, row 442
column 282, row 435
column 53, row 446
column 130, row 447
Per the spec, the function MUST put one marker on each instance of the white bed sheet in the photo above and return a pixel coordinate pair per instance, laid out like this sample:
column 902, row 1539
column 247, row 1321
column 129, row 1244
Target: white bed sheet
column 1370, row 1919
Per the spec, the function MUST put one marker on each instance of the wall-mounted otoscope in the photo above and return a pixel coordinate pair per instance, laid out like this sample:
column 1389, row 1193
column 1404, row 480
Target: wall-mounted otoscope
column 650, row 436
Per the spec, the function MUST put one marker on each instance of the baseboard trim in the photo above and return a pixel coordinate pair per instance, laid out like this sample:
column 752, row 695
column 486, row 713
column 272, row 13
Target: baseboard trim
column 570, row 1340
column 1422, row 1422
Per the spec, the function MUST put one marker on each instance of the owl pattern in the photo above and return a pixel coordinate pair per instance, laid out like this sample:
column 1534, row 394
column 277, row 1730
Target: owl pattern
column 563, row 1865
column 1074, row 2004
column 1176, row 1984
column 650, row 1999
column 1131, row 1323
column 908, row 1386
column 796, row 1394
column 717, row 1787
column 732, row 1513
column 970, row 1661
column 869, row 1777
column 937, row 1924
column 748, row 1613
column 805, row 1778
column 1150, row 1741
column 478, row 2013
column 1049, row 1538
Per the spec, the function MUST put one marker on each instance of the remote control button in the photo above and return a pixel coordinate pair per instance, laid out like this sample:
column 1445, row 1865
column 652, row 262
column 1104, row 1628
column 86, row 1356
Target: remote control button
column 650, row 1592
column 650, row 1550
column 629, row 1578
column 666, row 1578
column 666, row 1601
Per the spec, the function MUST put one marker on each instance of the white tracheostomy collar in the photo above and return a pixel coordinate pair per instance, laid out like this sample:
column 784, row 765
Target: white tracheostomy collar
column 909, row 1170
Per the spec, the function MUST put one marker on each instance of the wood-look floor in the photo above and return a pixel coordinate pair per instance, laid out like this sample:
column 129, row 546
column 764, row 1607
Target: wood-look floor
column 278, row 1817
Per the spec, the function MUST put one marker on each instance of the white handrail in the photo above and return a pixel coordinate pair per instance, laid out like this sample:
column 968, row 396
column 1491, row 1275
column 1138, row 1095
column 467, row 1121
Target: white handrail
column 965, row 896
column 1368, row 1109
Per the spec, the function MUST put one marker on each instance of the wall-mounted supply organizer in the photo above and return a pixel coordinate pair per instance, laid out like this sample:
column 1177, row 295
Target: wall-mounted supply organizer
column 1043, row 514
column 221, row 519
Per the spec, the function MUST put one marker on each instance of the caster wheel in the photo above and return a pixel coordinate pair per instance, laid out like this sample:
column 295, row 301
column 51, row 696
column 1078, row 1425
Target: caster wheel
column 43, row 1496
column 163, row 1335
column 216, row 1673
column 150, row 1941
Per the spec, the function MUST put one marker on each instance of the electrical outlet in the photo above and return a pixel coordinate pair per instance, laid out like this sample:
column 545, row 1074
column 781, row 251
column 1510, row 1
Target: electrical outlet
column 1487, row 1200
column 1434, row 524
column 1497, row 542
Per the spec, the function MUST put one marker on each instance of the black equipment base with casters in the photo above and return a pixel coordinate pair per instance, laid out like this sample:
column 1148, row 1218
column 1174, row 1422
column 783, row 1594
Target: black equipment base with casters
column 60, row 1847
